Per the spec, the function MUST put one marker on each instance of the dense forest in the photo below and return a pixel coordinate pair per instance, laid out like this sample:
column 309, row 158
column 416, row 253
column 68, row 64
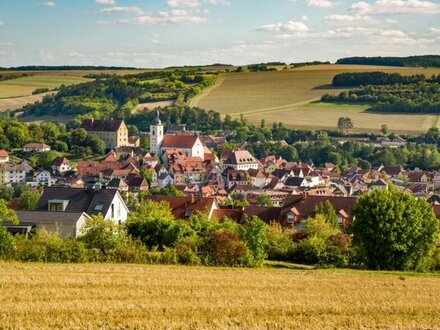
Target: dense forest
column 410, row 61
column 389, row 92
column 118, row 96
column 353, row 79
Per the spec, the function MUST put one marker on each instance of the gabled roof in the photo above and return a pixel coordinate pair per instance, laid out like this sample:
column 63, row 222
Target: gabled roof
column 3, row 153
column 80, row 200
column 239, row 157
column 183, row 207
column 179, row 141
column 60, row 161
column 35, row 145
column 101, row 125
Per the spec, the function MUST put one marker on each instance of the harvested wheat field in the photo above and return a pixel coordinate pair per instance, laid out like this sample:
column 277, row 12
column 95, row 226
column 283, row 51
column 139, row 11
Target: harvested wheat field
column 288, row 96
column 47, row 296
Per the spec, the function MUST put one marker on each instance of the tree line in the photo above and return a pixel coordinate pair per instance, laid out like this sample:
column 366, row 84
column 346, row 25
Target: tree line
column 409, row 61
column 392, row 230
column 354, row 79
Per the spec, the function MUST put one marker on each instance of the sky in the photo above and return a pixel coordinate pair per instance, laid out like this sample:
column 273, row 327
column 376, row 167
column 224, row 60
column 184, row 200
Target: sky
column 161, row 33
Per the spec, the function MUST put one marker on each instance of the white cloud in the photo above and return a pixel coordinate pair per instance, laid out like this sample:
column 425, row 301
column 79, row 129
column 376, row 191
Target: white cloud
column 396, row 7
column 122, row 9
column 343, row 19
column 435, row 31
column 305, row 18
column 47, row 4
column 183, row 3
column 46, row 56
column 2, row 23
column 290, row 26
column 175, row 16
column 320, row 3
column 106, row 2
column 196, row 3
column 218, row 2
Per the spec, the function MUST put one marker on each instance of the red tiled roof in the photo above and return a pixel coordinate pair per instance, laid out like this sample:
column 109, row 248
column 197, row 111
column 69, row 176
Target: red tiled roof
column 3, row 153
column 35, row 145
column 182, row 206
column 179, row 141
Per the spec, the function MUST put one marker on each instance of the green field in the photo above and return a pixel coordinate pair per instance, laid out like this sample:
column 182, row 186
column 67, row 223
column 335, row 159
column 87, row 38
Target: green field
column 286, row 96
column 118, row 296
column 24, row 86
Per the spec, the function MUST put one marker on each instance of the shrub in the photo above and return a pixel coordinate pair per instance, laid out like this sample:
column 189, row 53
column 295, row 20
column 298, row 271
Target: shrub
column 279, row 246
column 253, row 234
column 187, row 250
column 7, row 243
column 224, row 248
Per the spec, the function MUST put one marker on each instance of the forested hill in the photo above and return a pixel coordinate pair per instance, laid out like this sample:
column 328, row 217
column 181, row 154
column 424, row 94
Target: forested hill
column 410, row 61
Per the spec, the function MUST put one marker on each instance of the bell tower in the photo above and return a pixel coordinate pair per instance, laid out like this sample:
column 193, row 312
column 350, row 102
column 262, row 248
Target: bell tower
column 156, row 135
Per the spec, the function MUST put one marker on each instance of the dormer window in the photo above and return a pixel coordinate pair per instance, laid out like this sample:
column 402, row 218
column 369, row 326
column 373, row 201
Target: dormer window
column 58, row 205
column 98, row 207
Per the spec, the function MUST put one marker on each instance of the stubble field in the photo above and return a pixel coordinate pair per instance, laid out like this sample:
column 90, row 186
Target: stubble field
column 47, row 296
column 288, row 96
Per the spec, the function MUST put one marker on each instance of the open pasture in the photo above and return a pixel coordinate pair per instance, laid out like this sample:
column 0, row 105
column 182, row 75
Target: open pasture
column 285, row 96
column 24, row 86
column 71, row 296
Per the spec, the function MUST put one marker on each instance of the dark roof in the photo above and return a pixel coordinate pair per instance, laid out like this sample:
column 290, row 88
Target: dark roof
column 35, row 218
column 101, row 125
column 80, row 200
column 393, row 170
column 294, row 181
column 136, row 181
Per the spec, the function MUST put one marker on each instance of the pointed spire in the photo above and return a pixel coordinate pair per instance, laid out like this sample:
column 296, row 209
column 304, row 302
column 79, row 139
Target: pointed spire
column 157, row 120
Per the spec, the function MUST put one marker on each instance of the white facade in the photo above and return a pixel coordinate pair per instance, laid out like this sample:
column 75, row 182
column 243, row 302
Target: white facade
column 156, row 135
column 43, row 176
column 118, row 211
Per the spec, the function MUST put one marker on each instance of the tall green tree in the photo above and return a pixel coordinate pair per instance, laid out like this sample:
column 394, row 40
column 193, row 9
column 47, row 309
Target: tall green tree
column 28, row 200
column 328, row 212
column 253, row 234
column 393, row 230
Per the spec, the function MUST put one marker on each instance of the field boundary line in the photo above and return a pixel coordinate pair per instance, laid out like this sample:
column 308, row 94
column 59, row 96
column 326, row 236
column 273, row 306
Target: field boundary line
column 273, row 109
column 194, row 102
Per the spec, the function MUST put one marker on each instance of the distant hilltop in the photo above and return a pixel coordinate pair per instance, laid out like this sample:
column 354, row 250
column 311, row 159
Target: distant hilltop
column 409, row 61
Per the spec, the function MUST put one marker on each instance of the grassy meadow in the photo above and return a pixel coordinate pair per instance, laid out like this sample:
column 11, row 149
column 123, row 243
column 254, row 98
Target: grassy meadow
column 288, row 96
column 73, row 296
column 24, row 86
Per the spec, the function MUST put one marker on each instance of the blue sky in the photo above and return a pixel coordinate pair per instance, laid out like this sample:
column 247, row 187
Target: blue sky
column 158, row 33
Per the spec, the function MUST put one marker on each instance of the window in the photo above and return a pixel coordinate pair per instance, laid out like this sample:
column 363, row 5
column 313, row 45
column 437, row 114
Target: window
column 290, row 218
column 98, row 207
column 113, row 211
column 188, row 213
column 56, row 207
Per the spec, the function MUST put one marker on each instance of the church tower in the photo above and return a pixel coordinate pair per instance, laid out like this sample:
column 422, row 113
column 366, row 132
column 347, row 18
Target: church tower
column 156, row 135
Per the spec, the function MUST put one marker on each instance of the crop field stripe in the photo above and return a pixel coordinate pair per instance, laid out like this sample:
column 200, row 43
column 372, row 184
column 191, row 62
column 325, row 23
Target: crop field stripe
column 195, row 100
column 119, row 296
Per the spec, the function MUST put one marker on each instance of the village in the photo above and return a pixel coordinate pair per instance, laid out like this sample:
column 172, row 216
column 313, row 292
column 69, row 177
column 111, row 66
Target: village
column 181, row 168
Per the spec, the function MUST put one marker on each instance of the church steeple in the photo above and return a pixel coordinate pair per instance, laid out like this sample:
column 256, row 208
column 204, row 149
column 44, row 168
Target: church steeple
column 156, row 134
column 157, row 120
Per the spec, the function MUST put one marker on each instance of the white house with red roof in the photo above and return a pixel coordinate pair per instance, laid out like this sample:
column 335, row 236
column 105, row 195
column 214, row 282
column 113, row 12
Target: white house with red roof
column 4, row 156
column 189, row 144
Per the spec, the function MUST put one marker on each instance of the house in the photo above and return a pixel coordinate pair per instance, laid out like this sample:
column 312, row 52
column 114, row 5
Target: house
column 92, row 201
column 118, row 184
column 189, row 144
column 137, row 183
column 12, row 173
column 164, row 180
column 184, row 207
column 36, row 147
column 66, row 224
column 43, row 176
column 235, row 177
column 4, row 156
column 114, row 132
column 257, row 178
column 61, row 165
column 241, row 160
